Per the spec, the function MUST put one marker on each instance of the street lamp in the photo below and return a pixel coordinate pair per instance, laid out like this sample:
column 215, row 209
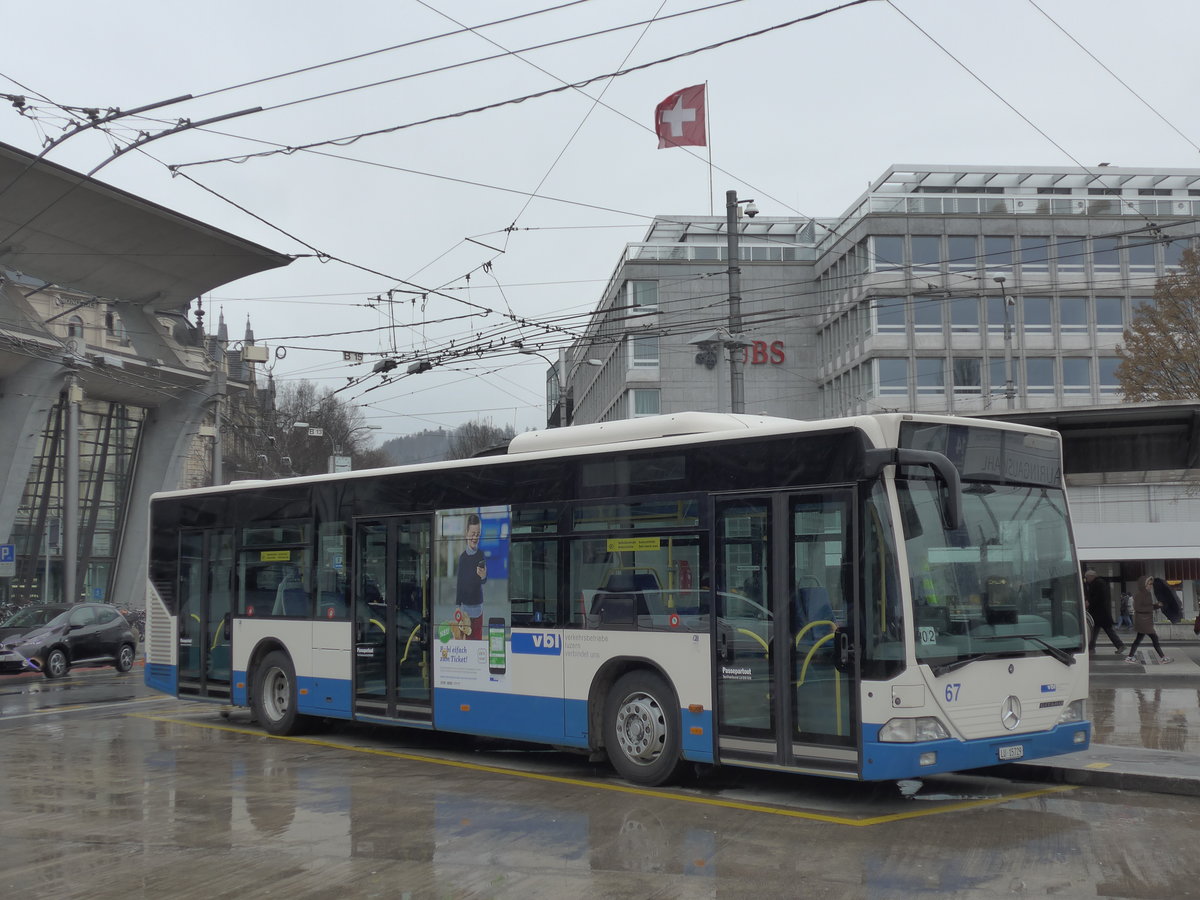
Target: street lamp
column 1009, row 303
column 560, row 383
column 737, row 387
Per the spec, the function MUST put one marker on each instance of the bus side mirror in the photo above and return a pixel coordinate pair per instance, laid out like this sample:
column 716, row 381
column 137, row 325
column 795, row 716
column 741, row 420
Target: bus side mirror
column 948, row 479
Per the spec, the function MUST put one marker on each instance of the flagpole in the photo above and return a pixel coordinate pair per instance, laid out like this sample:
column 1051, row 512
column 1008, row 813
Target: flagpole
column 708, row 140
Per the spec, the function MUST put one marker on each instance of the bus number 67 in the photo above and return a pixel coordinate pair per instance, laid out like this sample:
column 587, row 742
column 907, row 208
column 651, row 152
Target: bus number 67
column 952, row 691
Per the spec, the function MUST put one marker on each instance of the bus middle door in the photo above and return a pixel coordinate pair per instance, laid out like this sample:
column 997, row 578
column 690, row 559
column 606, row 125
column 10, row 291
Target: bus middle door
column 392, row 615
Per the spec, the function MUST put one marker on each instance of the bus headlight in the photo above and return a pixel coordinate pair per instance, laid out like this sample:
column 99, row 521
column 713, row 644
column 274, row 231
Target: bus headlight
column 910, row 731
column 1073, row 712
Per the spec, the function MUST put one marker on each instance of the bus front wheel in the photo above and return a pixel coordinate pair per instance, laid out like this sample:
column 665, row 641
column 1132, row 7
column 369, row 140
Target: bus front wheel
column 274, row 696
column 642, row 730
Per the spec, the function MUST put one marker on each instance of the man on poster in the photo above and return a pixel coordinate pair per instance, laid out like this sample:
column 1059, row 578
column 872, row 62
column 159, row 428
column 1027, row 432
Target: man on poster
column 472, row 575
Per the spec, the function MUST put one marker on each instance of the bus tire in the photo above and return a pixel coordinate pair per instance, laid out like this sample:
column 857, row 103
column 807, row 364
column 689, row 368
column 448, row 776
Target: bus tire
column 274, row 697
column 642, row 730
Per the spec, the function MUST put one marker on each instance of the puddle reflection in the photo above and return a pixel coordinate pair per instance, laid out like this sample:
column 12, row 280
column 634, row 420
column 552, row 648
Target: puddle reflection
column 1153, row 717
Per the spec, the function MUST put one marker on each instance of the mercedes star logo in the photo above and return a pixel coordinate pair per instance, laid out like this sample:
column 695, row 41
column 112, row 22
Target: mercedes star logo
column 1010, row 713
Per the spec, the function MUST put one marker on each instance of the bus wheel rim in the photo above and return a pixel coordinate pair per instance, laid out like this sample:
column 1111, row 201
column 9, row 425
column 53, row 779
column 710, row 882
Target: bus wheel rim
column 641, row 728
column 276, row 694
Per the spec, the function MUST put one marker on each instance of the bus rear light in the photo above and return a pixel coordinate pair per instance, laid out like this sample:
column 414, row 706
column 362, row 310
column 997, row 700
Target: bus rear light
column 911, row 731
column 695, row 707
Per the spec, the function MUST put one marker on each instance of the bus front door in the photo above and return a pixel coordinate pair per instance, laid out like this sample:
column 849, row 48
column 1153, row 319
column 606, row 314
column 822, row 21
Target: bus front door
column 784, row 594
column 391, row 622
column 205, row 600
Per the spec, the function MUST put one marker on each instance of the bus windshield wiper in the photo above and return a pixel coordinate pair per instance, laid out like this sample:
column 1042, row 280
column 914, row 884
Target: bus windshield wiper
column 1057, row 652
column 1049, row 649
column 967, row 660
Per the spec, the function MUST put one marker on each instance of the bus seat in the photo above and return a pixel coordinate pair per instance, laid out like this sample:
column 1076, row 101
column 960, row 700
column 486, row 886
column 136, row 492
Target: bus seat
column 619, row 608
column 812, row 605
column 295, row 602
column 629, row 582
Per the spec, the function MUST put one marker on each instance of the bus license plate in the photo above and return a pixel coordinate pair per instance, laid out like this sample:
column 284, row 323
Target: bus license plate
column 1014, row 752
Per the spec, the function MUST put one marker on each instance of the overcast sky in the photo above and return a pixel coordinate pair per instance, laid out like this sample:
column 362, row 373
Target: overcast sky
column 801, row 118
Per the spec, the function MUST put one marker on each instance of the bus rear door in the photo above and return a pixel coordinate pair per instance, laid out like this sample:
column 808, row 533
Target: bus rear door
column 205, row 600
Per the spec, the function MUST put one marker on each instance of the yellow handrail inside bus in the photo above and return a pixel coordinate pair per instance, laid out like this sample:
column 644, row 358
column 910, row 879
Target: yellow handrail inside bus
column 837, row 676
column 758, row 638
column 407, row 644
column 811, row 625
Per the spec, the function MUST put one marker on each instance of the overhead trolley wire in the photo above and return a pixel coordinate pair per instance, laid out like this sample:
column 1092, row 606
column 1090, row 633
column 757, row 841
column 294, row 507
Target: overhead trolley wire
column 349, row 139
column 1118, row 78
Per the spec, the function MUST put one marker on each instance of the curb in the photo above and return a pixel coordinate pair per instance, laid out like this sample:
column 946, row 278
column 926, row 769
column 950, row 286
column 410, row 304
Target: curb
column 1122, row 768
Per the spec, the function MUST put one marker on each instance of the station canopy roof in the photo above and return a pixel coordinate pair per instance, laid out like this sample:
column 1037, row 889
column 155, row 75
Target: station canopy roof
column 73, row 231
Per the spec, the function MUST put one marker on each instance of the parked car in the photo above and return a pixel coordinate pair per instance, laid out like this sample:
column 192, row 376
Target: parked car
column 77, row 634
column 30, row 617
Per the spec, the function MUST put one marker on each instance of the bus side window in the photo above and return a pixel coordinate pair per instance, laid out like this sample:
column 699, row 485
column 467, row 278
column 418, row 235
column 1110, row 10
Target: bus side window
column 533, row 583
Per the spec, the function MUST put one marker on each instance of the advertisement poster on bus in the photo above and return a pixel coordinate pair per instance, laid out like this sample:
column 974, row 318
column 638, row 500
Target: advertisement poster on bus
column 471, row 608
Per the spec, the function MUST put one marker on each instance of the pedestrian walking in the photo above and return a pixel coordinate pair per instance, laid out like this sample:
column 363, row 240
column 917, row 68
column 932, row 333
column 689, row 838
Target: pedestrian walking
column 1100, row 607
column 1144, row 605
column 1126, row 619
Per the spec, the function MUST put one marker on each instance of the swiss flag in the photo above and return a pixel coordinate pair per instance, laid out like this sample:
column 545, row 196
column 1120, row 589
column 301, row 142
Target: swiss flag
column 679, row 120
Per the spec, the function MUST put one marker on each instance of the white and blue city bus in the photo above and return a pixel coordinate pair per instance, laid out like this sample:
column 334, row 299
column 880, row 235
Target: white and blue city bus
column 869, row 598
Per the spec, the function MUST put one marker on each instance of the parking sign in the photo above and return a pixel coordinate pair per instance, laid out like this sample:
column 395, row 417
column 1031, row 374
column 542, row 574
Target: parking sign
column 8, row 560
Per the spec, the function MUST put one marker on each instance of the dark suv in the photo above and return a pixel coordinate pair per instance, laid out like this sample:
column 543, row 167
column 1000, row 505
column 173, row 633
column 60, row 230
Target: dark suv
column 52, row 638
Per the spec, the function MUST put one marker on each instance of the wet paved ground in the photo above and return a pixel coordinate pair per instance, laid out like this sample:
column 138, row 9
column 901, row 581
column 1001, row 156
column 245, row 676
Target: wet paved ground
column 1157, row 718
column 1146, row 725
column 149, row 797
column 109, row 790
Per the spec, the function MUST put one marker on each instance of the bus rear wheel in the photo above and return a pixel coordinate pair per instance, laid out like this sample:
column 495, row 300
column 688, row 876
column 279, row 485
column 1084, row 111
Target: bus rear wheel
column 642, row 730
column 274, row 696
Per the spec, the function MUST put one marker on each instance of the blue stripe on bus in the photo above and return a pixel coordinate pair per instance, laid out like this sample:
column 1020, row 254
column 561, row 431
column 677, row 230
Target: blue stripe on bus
column 884, row 761
column 513, row 716
column 547, row 719
column 510, row 716
column 241, row 692
column 324, row 696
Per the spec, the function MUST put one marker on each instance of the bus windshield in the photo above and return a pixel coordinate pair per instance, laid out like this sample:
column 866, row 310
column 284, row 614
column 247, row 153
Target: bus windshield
column 1004, row 583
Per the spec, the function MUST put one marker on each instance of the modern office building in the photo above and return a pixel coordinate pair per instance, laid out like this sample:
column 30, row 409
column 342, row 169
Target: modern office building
column 960, row 289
